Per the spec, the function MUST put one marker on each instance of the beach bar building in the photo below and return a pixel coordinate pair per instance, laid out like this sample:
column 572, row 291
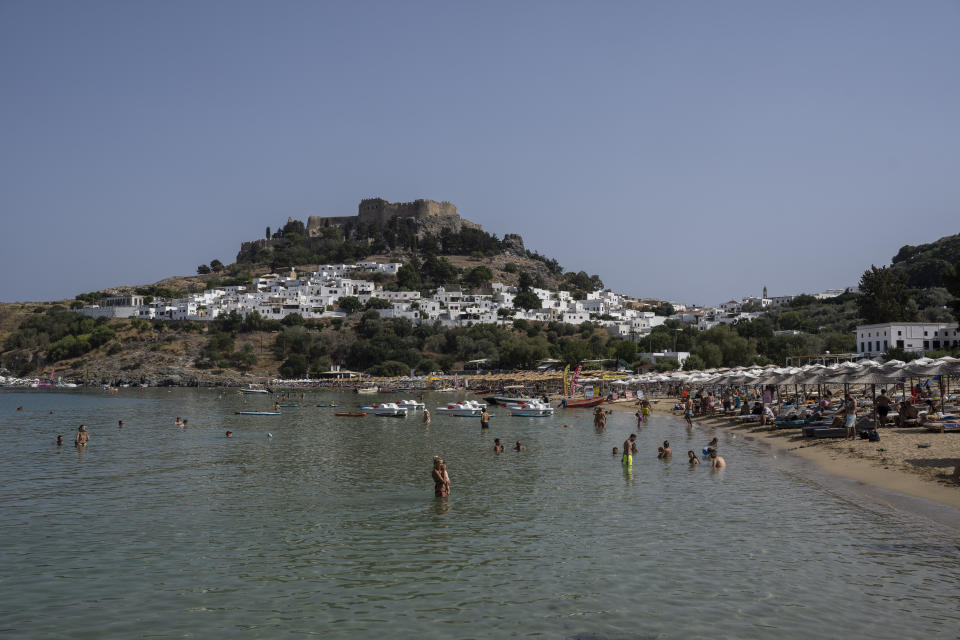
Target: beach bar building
column 918, row 337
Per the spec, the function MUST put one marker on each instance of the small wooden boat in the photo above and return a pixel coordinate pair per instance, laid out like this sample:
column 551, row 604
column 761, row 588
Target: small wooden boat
column 257, row 413
column 350, row 414
column 366, row 390
column 580, row 403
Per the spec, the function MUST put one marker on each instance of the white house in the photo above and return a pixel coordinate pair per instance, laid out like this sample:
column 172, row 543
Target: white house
column 875, row 339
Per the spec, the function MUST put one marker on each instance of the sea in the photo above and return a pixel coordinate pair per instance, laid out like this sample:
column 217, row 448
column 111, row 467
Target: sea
column 307, row 524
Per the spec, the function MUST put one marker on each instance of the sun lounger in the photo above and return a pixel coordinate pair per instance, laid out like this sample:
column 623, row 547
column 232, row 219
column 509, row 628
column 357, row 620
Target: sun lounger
column 943, row 427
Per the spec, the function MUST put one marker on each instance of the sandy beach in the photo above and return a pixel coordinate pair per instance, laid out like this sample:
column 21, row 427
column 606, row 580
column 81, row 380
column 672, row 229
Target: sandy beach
column 896, row 463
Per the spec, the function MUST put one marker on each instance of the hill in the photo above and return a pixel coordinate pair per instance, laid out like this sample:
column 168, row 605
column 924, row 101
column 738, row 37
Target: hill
column 928, row 265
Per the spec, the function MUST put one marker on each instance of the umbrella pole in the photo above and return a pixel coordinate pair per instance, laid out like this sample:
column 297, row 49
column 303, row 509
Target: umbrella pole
column 876, row 419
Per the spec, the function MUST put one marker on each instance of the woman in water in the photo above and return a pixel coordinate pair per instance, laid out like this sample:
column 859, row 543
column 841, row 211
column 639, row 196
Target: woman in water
column 694, row 460
column 440, row 484
column 82, row 437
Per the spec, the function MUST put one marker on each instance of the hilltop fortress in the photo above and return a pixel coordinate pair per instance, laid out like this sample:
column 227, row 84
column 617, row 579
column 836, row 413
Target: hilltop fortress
column 428, row 214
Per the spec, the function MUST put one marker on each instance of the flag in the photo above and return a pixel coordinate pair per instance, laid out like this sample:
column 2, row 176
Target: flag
column 566, row 371
column 576, row 376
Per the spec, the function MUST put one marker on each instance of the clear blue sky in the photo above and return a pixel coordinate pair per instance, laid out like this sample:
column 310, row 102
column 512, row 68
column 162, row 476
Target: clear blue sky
column 688, row 150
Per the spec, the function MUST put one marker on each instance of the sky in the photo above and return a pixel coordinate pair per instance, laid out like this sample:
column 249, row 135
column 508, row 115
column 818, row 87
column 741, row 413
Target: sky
column 688, row 150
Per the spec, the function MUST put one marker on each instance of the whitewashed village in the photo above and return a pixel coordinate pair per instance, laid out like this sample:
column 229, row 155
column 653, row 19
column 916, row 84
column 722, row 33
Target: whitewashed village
column 321, row 293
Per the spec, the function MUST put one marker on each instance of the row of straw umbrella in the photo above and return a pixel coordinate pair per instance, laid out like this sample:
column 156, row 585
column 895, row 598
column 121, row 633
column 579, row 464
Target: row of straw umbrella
column 866, row 372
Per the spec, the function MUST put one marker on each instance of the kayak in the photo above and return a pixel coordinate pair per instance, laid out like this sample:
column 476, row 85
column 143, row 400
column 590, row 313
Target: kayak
column 257, row 413
column 327, row 405
column 289, row 406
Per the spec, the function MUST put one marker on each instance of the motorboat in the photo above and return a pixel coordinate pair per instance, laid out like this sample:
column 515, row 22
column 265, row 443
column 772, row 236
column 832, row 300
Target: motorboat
column 389, row 409
column 366, row 390
column 507, row 400
column 463, row 408
column 253, row 390
column 412, row 405
column 530, row 409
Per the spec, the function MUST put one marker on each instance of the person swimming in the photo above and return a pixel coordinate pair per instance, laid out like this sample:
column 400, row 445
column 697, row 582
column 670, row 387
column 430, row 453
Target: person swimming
column 519, row 447
column 667, row 451
column 716, row 461
column 178, row 422
column 229, row 434
column 616, row 451
column 694, row 460
column 497, row 447
column 59, row 440
column 713, row 444
column 120, row 424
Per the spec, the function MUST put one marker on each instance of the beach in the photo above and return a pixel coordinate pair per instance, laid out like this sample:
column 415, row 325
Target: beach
column 896, row 463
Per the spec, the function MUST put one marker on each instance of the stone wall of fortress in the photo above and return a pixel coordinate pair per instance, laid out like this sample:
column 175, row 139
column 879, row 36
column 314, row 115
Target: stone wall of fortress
column 377, row 210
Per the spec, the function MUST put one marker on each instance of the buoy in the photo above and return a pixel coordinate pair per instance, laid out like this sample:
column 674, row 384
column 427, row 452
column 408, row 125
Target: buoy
column 269, row 435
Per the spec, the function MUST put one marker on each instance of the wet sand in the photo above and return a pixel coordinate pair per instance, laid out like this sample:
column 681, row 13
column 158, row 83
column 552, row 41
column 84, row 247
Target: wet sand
column 895, row 463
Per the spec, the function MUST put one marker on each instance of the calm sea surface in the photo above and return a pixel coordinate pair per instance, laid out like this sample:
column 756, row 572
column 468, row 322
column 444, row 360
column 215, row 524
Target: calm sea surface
column 330, row 528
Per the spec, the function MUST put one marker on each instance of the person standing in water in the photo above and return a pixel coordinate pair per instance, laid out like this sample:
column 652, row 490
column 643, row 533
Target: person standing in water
column 667, row 451
column 426, row 416
column 484, row 420
column 716, row 461
column 694, row 460
column 439, row 483
column 497, row 447
column 82, row 437
column 688, row 412
column 59, row 440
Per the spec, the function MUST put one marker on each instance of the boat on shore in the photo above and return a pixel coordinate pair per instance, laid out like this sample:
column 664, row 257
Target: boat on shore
column 580, row 403
column 366, row 390
column 412, row 405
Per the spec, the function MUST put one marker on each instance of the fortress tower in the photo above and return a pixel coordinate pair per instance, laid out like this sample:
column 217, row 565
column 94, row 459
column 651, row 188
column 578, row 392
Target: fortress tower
column 429, row 214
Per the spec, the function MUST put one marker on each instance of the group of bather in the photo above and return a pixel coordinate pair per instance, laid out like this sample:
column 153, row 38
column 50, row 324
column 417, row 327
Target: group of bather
column 630, row 449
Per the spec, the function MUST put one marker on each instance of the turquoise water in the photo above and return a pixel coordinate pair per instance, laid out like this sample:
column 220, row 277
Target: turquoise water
column 330, row 528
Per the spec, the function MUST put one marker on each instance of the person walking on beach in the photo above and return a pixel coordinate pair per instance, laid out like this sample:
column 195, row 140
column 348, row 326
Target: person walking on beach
column 82, row 437
column 850, row 417
column 883, row 407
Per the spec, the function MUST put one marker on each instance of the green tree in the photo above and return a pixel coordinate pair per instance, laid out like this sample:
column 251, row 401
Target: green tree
column 883, row 296
column 203, row 270
column 377, row 303
column 294, row 366
column 350, row 304
column 694, row 363
column 216, row 266
column 526, row 300
column 478, row 276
